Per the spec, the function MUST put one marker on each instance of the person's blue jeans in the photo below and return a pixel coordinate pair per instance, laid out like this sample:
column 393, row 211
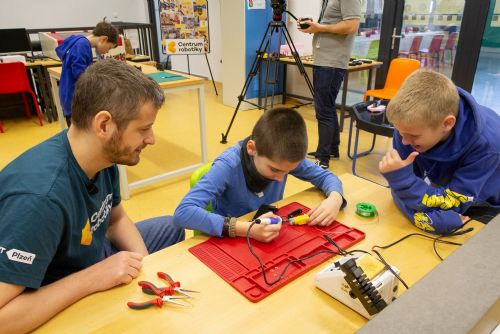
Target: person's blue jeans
column 326, row 82
column 158, row 233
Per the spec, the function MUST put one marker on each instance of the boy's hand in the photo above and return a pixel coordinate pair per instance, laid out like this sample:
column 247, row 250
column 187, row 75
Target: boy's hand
column 326, row 212
column 259, row 232
column 392, row 161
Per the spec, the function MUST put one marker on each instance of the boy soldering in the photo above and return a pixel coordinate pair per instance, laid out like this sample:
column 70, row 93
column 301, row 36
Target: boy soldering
column 254, row 172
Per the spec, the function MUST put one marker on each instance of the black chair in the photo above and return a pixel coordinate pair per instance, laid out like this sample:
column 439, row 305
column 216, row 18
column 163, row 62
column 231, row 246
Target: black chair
column 373, row 122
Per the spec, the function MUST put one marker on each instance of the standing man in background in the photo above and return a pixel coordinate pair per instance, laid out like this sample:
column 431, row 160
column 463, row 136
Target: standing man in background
column 332, row 45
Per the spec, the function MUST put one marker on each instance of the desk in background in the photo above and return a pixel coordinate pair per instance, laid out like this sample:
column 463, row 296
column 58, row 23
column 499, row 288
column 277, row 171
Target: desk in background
column 190, row 82
column 298, row 307
column 44, row 92
column 371, row 68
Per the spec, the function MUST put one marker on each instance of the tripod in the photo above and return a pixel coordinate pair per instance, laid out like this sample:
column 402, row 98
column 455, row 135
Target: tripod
column 274, row 27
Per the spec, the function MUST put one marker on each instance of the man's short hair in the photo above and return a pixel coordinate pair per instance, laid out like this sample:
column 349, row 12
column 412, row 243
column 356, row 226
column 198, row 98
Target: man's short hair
column 281, row 135
column 104, row 28
column 425, row 96
column 116, row 87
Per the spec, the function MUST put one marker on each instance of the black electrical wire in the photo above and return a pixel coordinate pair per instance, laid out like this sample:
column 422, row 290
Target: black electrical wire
column 263, row 269
column 387, row 265
column 452, row 233
column 343, row 252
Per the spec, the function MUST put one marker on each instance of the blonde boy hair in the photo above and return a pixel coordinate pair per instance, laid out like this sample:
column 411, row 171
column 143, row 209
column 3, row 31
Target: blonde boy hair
column 425, row 96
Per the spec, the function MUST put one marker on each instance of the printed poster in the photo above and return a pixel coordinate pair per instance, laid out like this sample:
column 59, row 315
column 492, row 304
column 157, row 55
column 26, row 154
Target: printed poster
column 256, row 4
column 495, row 22
column 184, row 26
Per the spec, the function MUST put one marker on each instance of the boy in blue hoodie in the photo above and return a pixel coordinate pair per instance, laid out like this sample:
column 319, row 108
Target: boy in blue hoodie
column 76, row 54
column 445, row 165
column 254, row 172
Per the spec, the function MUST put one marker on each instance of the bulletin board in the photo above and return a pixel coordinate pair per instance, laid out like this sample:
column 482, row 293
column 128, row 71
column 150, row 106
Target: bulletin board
column 184, row 27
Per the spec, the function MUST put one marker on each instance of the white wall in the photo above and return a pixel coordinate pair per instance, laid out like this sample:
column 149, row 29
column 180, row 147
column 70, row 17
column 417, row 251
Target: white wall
column 34, row 14
column 233, row 50
column 296, row 84
column 198, row 64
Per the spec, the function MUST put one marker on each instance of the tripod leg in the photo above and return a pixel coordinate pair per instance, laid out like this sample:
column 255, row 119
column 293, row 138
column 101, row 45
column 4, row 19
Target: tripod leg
column 297, row 59
column 211, row 76
column 253, row 71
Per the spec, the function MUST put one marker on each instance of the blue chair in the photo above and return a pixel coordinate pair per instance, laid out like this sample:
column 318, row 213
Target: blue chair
column 375, row 123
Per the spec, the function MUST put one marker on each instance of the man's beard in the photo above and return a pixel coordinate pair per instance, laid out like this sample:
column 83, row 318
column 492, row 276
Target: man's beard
column 118, row 154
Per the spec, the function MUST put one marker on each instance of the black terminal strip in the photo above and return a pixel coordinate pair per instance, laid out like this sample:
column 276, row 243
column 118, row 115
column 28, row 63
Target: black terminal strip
column 362, row 288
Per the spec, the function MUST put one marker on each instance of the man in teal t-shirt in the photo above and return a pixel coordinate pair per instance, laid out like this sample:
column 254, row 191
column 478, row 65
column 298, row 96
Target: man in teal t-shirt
column 63, row 232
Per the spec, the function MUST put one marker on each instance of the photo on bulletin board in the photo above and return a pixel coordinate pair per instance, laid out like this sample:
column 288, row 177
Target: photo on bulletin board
column 184, row 27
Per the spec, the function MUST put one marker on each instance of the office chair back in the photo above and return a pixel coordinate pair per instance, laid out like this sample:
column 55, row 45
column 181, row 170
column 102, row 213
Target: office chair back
column 13, row 79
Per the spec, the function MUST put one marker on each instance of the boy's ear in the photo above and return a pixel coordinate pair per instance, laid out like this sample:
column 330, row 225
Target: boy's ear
column 449, row 122
column 103, row 124
column 251, row 148
column 103, row 39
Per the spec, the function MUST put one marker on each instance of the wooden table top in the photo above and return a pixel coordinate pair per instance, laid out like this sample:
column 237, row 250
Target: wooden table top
column 190, row 79
column 298, row 307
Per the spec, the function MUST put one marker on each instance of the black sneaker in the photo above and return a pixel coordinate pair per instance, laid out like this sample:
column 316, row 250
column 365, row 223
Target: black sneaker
column 311, row 155
column 322, row 164
column 333, row 156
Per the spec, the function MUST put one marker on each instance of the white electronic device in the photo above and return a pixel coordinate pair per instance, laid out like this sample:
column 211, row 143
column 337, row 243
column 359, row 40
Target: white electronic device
column 371, row 286
column 12, row 58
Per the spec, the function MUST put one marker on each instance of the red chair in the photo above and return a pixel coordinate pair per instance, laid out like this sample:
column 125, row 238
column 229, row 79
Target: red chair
column 13, row 79
column 414, row 48
column 450, row 45
column 434, row 50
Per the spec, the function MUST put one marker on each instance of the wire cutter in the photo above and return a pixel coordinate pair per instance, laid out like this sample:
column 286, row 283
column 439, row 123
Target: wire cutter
column 173, row 287
column 164, row 296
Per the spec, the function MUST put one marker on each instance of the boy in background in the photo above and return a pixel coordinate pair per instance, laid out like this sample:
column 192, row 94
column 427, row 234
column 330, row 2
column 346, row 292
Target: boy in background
column 254, row 172
column 75, row 53
column 445, row 165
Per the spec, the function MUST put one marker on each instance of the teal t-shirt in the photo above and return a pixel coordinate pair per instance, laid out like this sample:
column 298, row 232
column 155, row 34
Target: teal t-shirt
column 53, row 221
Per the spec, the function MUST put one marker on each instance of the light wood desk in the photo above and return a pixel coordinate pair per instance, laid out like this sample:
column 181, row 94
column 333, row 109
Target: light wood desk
column 39, row 67
column 191, row 82
column 298, row 307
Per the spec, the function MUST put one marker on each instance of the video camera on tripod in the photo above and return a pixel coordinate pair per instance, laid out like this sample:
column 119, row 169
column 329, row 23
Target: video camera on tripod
column 278, row 6
column 265, row 53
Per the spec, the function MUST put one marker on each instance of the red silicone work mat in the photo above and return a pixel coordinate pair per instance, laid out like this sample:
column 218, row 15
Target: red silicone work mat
column 232, row 261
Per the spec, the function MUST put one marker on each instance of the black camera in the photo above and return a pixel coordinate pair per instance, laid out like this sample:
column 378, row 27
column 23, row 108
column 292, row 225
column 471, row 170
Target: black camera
column 303, row 23
column 278, row 6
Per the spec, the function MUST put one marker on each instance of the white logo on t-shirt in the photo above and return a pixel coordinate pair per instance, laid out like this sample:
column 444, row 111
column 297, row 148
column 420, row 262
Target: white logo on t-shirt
column 21, row 256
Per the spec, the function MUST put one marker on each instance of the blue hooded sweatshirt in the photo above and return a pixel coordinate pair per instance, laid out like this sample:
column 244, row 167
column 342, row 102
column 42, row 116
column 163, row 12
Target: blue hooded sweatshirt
column 453, row 176
column 76, row 55
column 224, row 187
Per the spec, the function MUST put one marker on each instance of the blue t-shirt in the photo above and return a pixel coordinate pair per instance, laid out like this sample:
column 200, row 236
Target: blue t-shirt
column 53, row 221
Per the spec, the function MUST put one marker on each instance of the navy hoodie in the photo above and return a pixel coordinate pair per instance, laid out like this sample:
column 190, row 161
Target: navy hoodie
column 76, row 55
column 448, row 179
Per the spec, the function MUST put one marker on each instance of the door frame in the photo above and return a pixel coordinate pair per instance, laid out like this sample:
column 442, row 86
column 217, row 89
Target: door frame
column 468, row 47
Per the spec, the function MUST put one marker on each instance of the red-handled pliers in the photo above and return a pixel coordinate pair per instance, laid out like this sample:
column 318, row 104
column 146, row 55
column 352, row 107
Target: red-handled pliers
column 156, row 302
column 173, row 287
column 164, row 296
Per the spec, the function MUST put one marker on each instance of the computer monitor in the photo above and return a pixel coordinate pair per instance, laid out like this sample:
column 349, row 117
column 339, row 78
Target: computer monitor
column 14, row 41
